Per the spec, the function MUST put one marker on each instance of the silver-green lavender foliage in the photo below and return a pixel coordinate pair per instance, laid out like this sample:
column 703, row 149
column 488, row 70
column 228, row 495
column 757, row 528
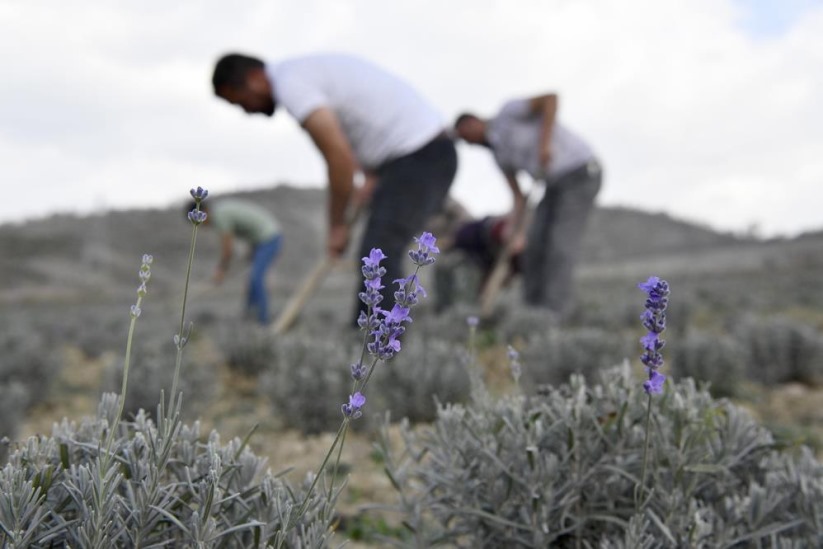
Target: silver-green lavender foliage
column 709, row 357
column 428, row 371
column 248, row 349
column 559, row 470
column 167, row 491
column 554, row 355
column 28, row 358
column 152, row 369
column 13, row 398
column 305, row 375
column 780, row 349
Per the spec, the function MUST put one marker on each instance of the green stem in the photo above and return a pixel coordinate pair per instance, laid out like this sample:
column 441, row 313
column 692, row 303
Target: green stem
column 336, row 464
column 294, row 518
column 179, row 360
column 121, row 402
column 641, row 484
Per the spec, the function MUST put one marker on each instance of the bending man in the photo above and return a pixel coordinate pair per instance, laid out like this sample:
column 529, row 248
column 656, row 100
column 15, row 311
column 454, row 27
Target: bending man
column 525, row 136
column 361, row 118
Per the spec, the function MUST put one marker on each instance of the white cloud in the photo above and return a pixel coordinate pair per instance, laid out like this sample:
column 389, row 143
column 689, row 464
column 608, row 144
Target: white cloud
column 691, row 113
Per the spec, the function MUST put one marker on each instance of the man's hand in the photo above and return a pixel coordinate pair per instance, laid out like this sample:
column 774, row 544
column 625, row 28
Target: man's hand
column 338, row 240
column 325, row 130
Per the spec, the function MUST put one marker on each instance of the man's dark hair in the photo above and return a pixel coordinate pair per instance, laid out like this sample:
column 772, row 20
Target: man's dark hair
column 463, row 117
column 231, row 70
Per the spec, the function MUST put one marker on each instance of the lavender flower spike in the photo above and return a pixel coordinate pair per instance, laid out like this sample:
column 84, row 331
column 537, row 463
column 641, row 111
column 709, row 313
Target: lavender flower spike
column 654, row 320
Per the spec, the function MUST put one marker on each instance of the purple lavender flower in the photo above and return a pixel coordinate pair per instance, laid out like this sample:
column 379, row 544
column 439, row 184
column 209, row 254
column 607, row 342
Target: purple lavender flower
column 514, row 363
column 396, row 316
column 199, row 194
column 358, row 371
column 372, row 296
column 197, row 216
column 409, row 290
column 371, row 265
column 472, row 321
column 654, row 320
column 352, row 409
column 655, row 382
column 426, row 250
column 385, row 327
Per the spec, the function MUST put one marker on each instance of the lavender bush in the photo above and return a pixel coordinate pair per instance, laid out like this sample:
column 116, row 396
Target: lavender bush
column 13, row 399
column 111, row 482
column 560, row 469
column 170, row 489
column 248, row 349
column 428, row 371
column 304, row 375
column 151, row 373
column 27, row 358
column 780, row 349
column 710, row 357
column 553, row 356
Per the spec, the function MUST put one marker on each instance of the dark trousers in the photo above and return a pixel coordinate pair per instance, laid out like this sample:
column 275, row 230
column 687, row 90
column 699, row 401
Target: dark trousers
column 555, row 235
column 410, row 189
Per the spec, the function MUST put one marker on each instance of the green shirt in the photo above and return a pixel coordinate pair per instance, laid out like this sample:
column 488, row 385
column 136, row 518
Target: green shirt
column 245, row 220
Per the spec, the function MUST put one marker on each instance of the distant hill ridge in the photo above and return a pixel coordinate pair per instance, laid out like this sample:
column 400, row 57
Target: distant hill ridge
column 103, row 250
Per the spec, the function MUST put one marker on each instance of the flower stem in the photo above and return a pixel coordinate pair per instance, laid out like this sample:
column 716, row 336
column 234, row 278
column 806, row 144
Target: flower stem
column 639, row 488
column 294, row 518
column 180, row 333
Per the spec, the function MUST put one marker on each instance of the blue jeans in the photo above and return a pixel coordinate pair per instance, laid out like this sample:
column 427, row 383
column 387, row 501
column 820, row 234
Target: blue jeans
column 263, row 257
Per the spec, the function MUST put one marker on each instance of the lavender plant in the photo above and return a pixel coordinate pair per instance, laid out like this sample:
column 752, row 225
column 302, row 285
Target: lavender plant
column 151, row 373
column 654, row 320
column 110, row 482
column 382, row 330
column 429, row 370
column 13, row 398
column 27, row 358
column 248, row 350
column 710, row 357
column 560, row 470
column 299, row 381
column 554, row 354
column 780, row 349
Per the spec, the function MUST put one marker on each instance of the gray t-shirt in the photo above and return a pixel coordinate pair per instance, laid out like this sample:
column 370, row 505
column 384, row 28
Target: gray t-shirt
column 245, row 220
column 514, row 135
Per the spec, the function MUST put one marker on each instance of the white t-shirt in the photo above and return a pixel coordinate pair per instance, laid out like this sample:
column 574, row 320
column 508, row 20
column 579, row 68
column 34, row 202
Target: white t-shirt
column 514, row 135
column 382, row 116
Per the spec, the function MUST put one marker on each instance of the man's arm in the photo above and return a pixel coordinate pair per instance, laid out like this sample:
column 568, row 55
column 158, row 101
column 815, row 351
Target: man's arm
column 546, row 107
column 226, row 251
column 324, row 129
column 515, row 228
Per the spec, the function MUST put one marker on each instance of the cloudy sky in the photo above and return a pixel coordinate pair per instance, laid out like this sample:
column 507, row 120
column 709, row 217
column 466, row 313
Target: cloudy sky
column 709, row 110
